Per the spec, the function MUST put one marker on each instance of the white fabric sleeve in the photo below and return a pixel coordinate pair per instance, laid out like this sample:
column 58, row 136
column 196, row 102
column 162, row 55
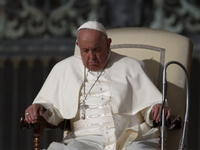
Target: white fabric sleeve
column 51, row 114
column 148, row 117
column 146, row 113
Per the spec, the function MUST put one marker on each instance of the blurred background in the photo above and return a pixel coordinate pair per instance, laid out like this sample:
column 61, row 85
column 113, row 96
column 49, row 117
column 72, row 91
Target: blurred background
column 35, row 34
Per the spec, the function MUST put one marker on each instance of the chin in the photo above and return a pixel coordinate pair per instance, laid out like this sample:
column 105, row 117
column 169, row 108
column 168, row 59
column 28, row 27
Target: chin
column 94, row 68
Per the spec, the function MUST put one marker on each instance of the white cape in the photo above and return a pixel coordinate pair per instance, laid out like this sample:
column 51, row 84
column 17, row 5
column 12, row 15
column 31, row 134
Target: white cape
column 130, row 86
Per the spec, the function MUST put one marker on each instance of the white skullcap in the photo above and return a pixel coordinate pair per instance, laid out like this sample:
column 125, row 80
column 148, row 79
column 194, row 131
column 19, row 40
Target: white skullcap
column 93, row 25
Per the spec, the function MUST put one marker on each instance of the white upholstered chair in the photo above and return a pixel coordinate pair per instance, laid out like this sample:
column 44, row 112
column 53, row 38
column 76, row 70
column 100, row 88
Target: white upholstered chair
column 156, row 48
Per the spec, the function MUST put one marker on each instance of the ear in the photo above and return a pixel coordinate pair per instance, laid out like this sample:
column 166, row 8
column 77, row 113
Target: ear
column 76, row 43
column 109, row 40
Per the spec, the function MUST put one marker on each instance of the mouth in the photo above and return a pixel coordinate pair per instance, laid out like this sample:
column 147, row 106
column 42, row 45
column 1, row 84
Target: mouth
column 93, row 64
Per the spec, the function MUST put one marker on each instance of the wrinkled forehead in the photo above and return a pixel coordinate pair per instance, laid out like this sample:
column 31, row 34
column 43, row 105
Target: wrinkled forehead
column 90, row 34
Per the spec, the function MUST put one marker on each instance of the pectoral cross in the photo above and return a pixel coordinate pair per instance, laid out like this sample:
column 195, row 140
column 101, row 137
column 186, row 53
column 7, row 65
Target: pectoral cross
column 83, row 107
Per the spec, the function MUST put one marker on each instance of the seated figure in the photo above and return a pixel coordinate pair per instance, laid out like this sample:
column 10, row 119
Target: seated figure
column 108, row 98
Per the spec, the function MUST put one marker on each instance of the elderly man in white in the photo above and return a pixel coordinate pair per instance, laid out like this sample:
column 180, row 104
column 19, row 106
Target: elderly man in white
column 108, row 98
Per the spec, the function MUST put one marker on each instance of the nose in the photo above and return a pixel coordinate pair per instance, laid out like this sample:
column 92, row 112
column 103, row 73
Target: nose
column 92, row 55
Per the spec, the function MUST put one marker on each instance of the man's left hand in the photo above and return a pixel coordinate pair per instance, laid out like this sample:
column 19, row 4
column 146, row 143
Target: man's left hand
column 157, row 110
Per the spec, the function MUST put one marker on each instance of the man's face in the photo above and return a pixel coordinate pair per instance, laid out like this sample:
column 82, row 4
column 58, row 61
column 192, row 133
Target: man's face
column 94, row 48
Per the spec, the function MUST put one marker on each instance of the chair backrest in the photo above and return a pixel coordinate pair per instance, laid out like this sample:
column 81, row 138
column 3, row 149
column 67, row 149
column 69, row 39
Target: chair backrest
column 156, row 48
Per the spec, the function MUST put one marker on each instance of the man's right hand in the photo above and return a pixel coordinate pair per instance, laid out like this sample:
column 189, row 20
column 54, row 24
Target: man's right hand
column 32, row 112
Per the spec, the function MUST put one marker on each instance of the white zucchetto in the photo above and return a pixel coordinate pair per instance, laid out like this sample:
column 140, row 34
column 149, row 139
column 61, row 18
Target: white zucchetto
column 93, row 25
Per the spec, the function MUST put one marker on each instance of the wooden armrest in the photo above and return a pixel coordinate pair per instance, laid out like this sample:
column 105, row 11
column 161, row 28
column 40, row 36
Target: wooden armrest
column 42, row 122
column 39, row 126
column 167, row 122
column 172, row 123
column 37, row 130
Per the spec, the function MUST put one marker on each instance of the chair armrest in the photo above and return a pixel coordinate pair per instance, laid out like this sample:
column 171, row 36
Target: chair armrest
column 155, row 124
column 65, row 124
column 172, row 123
column 39, row 126
column 40, row 121
column 37, row 130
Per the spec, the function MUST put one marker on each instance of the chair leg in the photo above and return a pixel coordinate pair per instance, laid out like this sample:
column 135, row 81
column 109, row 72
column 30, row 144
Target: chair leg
column 36, row 143
column 37, row 134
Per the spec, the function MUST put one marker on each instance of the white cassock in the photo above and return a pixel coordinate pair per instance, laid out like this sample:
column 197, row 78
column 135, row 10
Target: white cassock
column 119, row 104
